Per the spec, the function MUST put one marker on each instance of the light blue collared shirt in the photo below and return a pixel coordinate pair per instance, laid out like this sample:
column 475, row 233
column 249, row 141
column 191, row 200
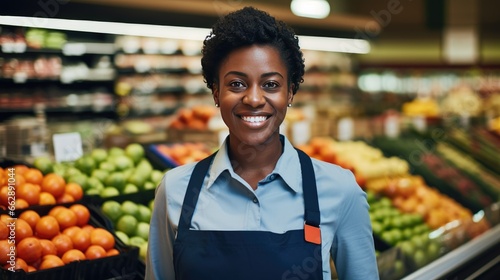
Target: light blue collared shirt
column 227, row 202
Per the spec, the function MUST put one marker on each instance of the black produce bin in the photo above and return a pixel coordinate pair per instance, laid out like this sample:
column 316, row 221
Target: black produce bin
column 122, row 266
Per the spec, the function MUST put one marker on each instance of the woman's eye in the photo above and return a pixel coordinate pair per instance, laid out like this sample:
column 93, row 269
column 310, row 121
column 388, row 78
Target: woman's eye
column 236, row 84
column 271, row 85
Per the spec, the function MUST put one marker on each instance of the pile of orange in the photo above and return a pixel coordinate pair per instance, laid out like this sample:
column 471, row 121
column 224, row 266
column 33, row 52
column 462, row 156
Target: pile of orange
column 58, row 238
column 34, row 188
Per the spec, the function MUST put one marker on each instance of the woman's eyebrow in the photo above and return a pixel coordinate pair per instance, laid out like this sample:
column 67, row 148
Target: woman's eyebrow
column 268, row 74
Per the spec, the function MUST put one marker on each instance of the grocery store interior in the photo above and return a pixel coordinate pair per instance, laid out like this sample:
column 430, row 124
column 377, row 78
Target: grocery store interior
column 109, row 94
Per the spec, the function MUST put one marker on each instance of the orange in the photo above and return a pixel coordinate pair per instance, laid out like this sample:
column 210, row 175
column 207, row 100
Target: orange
column 88, row 228
column 29, row 249
column 19, row 179
column 53, row 184
column 65, row 198
column 47, row 227
column 95, row 252
column 75, row 190
column 23, row 230
column 71, row 231
column 82, row 214
column 31, row 217
column 5, row 250
column 102, row 237
column 48, row 248
column 4, row 231
column 81, row 240
column 112, row 252
column 66, row 218
column 21, row 203
column 33, row 176
column 73, row 255
column 6, row 218
column 31, row 268
column 4, row 196
column 55, row 209
column 50, row 262
column 20, row 169
column 20, row 264
column 47, row 198
column 63, row 244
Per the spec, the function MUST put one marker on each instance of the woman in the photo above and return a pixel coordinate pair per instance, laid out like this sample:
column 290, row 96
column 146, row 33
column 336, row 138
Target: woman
column 258, row 208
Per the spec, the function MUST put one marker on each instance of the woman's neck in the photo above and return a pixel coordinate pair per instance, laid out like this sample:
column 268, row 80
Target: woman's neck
column 254, row 163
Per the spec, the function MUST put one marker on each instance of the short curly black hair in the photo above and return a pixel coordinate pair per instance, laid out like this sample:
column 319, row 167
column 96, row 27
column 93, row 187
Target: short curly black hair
column 246, row 27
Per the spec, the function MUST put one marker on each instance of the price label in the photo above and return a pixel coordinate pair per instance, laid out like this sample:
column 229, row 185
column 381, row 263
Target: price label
column 420, row 123
column 301, row 132
column 67, row 146
column 391, row 126
column 345, row 129
column 20, row 78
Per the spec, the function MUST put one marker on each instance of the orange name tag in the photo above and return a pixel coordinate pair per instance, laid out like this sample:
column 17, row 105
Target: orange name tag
column 312, row 234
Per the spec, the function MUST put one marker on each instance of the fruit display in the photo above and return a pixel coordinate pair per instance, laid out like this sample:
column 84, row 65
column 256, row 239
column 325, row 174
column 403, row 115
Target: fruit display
column 130, row 220
column 22, row 186
column 421, row 107
column 406, row 231
column 181, row 153
column 196, row 117
column 111, row 172
column 53, row 237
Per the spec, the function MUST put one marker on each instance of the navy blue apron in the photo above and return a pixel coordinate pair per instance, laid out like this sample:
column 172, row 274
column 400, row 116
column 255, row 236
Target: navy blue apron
column 252, row 255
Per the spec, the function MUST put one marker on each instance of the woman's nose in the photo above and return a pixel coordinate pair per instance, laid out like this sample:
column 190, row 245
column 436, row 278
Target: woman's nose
column 254, row 97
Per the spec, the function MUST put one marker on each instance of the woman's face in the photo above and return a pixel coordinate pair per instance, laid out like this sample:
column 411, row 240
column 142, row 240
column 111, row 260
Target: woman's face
column 253, row 93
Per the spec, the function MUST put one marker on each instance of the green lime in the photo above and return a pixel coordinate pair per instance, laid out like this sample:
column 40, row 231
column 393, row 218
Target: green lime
column 130, row 208
column 81, row 179
column 117, row 180
column 127, row 224
column 144, row 213
column 149, row 186
column 137, row 241
column 144, row 167
column 44, row 164
column 86, row 164
column 100, row 174
column 143, row 251
column 108, row 166
column 99, row 155
column 123, row 162
column 71, row 171
column 109, row 192
column 122, row 236
column 92, row 192
column 151, row 204
column 135, row 152
column 112, row 209
column 142, row 230
column 156, row 176
column 130, row 188
column 116, row 151
column 94, row 183
column 137, row 179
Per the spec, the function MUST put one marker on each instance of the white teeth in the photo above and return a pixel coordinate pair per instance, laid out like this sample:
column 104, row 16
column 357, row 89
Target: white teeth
column 254, row 119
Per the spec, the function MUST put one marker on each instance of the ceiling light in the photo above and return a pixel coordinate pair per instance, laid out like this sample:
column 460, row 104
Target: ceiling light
column 331, row 44
column 310, row 8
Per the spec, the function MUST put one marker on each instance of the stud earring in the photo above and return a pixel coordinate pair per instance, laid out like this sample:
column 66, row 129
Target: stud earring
column 289, row 104
column 216, row 104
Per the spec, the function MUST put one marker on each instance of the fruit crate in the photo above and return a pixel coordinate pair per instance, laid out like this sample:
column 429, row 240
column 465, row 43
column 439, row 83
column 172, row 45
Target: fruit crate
column 125, row 265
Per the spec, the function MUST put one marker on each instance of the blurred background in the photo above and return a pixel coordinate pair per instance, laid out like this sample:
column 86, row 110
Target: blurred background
column 405, row 93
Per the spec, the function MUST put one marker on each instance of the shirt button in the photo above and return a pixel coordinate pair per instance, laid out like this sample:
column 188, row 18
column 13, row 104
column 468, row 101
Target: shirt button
column 255, row 200
column 272, row 177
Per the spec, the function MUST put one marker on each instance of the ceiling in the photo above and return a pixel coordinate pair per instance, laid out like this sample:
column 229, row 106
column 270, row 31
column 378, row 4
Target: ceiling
column 407, row 31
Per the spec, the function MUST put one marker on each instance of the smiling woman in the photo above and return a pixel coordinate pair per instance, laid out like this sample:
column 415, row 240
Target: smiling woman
column 258, row 208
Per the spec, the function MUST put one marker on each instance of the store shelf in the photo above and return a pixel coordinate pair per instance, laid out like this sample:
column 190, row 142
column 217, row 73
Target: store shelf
column 477, row 259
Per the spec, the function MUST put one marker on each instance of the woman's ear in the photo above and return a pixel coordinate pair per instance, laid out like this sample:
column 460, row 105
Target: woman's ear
column 290, row 94
column 215, row 95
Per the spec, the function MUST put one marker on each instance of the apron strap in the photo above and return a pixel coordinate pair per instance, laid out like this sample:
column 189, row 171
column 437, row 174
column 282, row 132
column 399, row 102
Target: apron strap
column 312, row 215
column 193, row 191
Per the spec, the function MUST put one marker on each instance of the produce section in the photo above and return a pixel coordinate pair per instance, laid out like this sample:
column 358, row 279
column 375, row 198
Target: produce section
column 424, row 144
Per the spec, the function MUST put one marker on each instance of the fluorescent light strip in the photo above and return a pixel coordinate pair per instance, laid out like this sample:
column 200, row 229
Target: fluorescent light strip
column 173, row 32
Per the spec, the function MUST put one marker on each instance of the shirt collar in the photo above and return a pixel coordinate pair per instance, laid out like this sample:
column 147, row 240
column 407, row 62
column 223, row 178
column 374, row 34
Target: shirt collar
column 288, row 165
